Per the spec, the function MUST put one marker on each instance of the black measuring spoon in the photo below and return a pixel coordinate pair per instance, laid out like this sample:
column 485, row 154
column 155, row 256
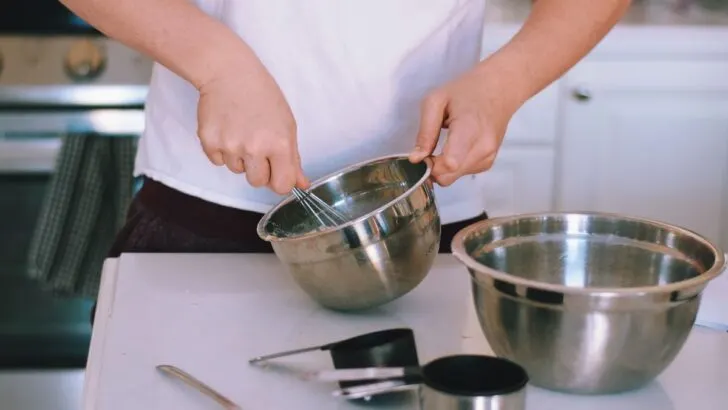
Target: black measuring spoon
column 384, row 348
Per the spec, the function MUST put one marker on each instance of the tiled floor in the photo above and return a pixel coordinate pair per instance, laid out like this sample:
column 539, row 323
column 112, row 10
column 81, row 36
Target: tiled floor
column 41, row 390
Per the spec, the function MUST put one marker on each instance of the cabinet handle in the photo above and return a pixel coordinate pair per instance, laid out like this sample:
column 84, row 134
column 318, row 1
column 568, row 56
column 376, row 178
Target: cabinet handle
column 581, row 94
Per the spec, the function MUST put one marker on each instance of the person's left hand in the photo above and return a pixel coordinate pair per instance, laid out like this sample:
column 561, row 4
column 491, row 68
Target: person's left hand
column 476, row 109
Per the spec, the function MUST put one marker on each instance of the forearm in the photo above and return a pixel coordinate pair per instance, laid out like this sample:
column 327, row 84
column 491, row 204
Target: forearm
column 556, row 35
column 173, row 32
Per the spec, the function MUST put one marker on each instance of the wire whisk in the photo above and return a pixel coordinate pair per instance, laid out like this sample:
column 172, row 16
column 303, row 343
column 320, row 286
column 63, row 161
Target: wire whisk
column 326, row 214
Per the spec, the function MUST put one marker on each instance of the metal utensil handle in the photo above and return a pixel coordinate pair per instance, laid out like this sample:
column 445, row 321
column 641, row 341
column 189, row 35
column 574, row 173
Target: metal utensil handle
column 199, row 386
column 301, row 197
column 328, row 208
column 286, row 353
column 316, row 206
column 367, row 373
column 374, row 389
column 325, row 210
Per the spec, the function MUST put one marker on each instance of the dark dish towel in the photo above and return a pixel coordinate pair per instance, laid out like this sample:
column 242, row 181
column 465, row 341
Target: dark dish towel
column 85, row 205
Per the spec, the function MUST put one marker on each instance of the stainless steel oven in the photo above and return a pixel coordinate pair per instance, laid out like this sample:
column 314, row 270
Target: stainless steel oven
column 37, row 329
column 58, row 77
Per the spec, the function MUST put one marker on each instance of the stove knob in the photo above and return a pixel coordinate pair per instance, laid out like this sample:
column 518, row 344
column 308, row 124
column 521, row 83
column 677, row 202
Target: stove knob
column 85, row 61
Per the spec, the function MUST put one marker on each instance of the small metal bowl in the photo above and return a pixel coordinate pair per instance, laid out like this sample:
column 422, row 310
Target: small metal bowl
column 383, row 252
column 588, row 303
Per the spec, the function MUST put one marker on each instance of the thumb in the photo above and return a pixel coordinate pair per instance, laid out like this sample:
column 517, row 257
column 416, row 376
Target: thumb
column 431, row 119
column 301, row 180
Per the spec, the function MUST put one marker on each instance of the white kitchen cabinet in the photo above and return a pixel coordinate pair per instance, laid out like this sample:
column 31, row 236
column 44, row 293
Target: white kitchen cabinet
column 521, row 181
column 522, row 178
column 647, row 138
column 535, row 123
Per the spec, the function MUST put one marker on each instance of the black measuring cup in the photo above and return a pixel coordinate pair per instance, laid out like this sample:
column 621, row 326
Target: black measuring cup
column 384, row 348
column 458, row 382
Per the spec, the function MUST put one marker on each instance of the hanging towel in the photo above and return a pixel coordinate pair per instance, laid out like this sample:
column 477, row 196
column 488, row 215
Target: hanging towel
column 84, row 207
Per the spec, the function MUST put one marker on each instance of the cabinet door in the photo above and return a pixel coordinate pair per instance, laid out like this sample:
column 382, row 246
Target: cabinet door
column 648, row 139
column 535, row 123
column 521, row 181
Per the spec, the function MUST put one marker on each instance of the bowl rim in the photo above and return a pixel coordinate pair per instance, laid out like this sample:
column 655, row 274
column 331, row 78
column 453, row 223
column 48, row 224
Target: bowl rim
column 325, row 179
column 458, row 250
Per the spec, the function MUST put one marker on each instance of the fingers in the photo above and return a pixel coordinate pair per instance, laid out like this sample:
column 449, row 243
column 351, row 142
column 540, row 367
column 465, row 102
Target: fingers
column 301, row 179
column 210, row 145
column 473, row 165
column 213, row 147
column 460, row 140
column 431, row 119
column 216, row 157
column 257, row 171
column 234, row 163
column 239, row 166
column 284, row 171
column 267, row 159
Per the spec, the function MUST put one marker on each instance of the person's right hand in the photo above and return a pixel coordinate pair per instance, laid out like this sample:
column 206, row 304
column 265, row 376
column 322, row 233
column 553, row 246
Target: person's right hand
column 245, row 123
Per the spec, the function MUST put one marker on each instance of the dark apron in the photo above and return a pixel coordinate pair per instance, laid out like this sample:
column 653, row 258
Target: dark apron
column 161, row 219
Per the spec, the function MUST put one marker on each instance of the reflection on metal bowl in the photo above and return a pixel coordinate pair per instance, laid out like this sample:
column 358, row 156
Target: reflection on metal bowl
column 383, row 252
column 588, row 303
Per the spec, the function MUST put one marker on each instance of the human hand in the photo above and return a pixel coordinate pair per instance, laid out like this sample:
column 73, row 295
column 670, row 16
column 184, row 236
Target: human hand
column 245, row 123
column 476, row 109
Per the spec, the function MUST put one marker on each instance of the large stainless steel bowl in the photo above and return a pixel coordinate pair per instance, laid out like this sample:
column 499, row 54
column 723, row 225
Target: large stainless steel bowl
column 588, row 303
column 383, row 252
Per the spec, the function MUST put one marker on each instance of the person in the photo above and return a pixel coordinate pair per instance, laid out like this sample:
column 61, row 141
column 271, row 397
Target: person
column 250, row 98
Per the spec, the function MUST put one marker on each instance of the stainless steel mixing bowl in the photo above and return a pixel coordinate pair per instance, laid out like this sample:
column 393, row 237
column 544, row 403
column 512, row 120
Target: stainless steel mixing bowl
column 588, row 303
column 383, row 252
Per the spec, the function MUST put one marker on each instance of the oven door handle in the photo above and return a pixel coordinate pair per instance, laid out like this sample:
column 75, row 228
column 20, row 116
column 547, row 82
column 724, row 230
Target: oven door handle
column 30, row 155
column 107, row 122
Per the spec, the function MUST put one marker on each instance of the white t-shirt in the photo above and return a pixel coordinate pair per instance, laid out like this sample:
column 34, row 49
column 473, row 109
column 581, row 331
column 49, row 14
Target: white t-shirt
column 354, row 73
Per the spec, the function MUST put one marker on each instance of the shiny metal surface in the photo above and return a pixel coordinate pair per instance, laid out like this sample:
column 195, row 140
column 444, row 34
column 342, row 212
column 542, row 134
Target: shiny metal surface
column 581, row 94
column 88, row 96
column 458, row 382
column 356, row 374
column 325, row 214
column 383, row 252
column 39, row 61
column 28, row 155
column 365, row 391
column 431, row 399
column 41, row 75
column 41, row 101
column 101, row 122
column 588, row 303
column 74, row 95
column 58, row 389
column 85, row 60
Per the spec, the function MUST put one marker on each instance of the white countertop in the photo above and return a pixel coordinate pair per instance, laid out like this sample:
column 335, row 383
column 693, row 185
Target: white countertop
column 209, row 314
